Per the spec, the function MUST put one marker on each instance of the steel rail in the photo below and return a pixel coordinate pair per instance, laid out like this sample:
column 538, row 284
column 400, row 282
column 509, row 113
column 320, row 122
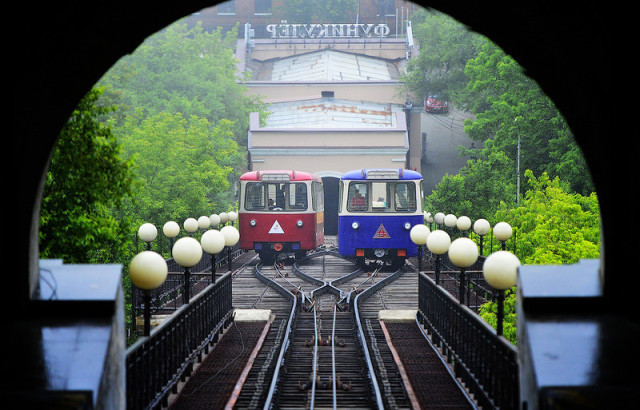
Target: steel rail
column 314, row 372
column 363, row 341
column 285, row 342
column 333, row 359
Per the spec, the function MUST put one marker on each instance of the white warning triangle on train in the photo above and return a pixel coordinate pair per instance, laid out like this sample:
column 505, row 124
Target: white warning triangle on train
column 381, row 233
column 276, row 228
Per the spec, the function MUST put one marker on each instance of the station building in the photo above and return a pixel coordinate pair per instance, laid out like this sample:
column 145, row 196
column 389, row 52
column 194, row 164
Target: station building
column 335, row 97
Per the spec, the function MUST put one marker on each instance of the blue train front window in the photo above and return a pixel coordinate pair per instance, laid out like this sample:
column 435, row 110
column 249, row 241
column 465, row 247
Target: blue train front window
column 381, row 197
column 358, row 197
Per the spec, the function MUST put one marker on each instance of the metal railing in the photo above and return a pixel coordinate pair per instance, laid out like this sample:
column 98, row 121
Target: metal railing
column 155, row 364
column 486, row 363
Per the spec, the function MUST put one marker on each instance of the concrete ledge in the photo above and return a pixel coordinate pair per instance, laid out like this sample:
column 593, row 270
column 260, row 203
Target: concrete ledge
column 251, row 315
column 397, row 315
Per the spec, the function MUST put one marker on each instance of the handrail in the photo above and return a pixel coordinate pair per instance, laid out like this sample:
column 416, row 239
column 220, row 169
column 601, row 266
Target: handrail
column 485, row 362
column 156, row 363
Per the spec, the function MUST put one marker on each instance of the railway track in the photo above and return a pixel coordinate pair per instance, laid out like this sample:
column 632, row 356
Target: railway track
column 324, row 346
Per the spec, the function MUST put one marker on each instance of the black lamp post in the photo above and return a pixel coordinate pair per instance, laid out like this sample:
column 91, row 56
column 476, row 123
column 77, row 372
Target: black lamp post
column 171, row 229
column 231, row 237
column 418, row 235
column 190, row 225
column 212, row 242
column 502, row 231
column 438, row 243
column 148, row 271
column 463, row 223
column 187, row 252
column 500, row 270
column 463, row 253
column 481, row 227
column 147, row 232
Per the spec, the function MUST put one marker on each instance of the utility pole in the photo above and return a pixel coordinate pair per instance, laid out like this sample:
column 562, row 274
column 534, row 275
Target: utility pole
column 518, row 165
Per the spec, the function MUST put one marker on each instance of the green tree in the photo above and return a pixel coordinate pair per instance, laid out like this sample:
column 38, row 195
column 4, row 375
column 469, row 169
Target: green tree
column 553, row 227
column 445, row 47
column 510, row 107
column 477, row 190
column 186, row 70
column 184, row 166
column 85, row 182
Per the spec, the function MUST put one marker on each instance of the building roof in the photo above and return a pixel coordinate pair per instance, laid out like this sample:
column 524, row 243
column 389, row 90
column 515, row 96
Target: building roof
column 332, row 113
column 326, row 66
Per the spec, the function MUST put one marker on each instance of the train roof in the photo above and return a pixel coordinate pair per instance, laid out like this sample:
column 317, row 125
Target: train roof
column 382, row 173
column 278, row 175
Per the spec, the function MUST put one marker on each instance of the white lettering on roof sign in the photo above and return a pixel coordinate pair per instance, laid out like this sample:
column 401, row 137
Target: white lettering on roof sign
column 324, row 30
column 276, row 228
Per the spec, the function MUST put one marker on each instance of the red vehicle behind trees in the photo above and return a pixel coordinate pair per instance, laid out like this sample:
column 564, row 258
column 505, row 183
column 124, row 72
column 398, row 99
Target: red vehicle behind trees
column 434, row 104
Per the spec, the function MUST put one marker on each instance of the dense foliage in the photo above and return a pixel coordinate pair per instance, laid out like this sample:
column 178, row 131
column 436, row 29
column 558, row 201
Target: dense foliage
column 183, row 116
column 557, row 220
column 86, row 181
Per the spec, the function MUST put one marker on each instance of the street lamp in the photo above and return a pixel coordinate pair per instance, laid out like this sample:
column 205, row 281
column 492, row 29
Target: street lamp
column 212, row 242
column 428, row 218
column 215, row 220
column 233, row 216
column 204, row 222
column 224, row 217
column 439, row 218
column 418, row 235
column 463, row 253
column 463, row 223
column 147, row 271
column 147, row 232
column 231, row 237
column 450, row 220
column 187, row 252
column 500, row 270
column 502, row 231
column 190, row 225
column 438, row 243
column 171, row 229
column 481, row 227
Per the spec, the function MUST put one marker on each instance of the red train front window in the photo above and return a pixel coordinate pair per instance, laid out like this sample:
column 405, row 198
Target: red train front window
column 276, row 196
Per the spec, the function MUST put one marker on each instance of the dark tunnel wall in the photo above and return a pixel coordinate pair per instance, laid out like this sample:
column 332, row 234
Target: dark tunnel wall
column 577, row 55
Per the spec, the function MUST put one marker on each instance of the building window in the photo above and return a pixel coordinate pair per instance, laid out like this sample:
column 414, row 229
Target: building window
column 386, row 7
column 228, row 7
column 262, row 7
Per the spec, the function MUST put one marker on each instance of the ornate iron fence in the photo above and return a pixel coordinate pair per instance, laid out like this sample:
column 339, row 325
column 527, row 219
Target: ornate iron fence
column 486, row 363
column 155, row 364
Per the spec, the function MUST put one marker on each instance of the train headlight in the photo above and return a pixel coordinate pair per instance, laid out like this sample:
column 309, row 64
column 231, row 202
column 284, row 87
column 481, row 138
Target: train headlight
column 253, row 222
column 379, row 253
column 407, row 226
column 355, row 225
column 299, row 223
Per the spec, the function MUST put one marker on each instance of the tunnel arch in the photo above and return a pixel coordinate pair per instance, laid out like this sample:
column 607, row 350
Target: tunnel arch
column 75, row 45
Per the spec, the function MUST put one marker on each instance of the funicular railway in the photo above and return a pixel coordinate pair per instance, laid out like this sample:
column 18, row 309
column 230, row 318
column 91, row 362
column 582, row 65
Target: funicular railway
column 324, row 327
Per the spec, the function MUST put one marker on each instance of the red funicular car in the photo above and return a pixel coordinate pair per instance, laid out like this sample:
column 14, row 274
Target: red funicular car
column 281, row 212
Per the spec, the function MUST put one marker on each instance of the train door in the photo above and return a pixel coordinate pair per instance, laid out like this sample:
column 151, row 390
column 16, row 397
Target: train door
column 331, row 189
